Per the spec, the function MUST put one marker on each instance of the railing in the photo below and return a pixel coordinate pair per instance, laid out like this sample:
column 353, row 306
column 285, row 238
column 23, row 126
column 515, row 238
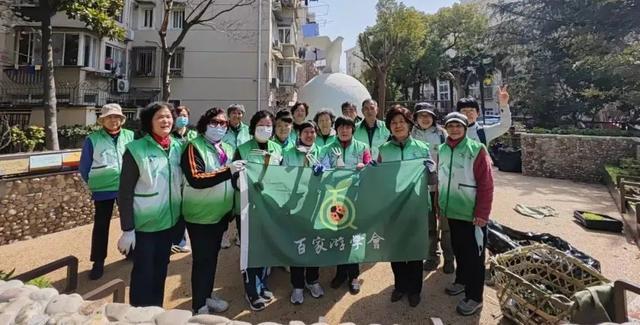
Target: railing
column 70, row 262
column 19, row 118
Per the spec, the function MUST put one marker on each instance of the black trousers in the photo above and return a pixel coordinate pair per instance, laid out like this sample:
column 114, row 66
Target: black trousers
column 407, row 276
column 100, row 232
column 470, row 264
column 302, row 275
column 178, row 234
column 255, row 280
column 348, row 271
column 205, row 245
column 149, row 271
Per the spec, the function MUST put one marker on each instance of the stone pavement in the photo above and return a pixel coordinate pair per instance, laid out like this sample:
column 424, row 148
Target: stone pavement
column 619, row 259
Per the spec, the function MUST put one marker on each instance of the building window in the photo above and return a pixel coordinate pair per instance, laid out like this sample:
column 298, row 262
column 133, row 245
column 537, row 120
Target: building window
column 443, row 89
column 146, row 18
column 144, row 59
column 286, row 73
column 114, row 59
column 177, row 18
column 284, row 34
column 177, row 63
column 91, row 46
column 65, row 49
column 29, row 48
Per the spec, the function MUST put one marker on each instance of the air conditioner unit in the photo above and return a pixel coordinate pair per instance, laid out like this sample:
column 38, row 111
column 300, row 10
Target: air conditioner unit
column 130, row 35
column 275, row 83
column 122, row 85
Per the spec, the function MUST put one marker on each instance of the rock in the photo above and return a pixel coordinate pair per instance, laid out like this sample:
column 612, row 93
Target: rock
column 64, row 304
column 239, row 322
column 15, row 306
column 14, row 293
column 348, row 323
column 91, row 308
column 296, row 322
column 209, row 320
column 173, row 317
column 7, row 318
column 269, row 323
column 12, row 212
column 9, row 284
column 68, row 319
column 115, row 311
column 142, row 314
column 29, row 311
column 40, row 319
column 43, row 295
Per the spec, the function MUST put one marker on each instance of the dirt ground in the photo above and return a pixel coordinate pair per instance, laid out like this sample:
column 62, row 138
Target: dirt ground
column 619, row 259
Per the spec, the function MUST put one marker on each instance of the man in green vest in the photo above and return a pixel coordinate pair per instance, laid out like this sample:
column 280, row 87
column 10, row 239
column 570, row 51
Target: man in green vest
column 465, row 195
column 371, row 131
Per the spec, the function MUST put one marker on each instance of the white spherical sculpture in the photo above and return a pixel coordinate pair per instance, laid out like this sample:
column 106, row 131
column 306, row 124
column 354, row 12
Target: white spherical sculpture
column 330, row 90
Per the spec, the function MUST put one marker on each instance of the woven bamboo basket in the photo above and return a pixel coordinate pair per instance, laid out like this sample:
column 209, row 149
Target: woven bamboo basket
column 534, row 283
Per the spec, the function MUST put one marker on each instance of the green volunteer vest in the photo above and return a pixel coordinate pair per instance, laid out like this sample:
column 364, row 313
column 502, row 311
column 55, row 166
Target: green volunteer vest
column 295, row 158
column 352, row 155
column 107, row 160
column 380, row 136
column 208, row 205
column 456, row 183
column 235, row 139
column 412, row 149
column 245, row 152
column 284, row 146
column 157, row 197
column 320, row 142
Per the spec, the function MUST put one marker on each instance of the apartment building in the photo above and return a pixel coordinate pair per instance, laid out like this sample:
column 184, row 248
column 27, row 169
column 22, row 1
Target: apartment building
column 355, row 65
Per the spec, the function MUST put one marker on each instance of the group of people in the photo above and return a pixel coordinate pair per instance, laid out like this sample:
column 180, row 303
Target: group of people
column 175, row 177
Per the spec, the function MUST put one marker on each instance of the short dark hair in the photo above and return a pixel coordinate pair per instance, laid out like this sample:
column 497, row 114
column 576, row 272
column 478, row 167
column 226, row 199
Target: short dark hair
column 347, row 104
column 367, row 101
column 147, row 113
column 324, row 112
column 399, row 110
column 343, row 120
column 256, row 118
column 204, row 120
column 181, row 108
column 467, row 102
column 297, row 105
column 285, row 116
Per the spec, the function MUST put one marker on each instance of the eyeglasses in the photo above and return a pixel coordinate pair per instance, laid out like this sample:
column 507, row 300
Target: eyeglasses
column 218, row 123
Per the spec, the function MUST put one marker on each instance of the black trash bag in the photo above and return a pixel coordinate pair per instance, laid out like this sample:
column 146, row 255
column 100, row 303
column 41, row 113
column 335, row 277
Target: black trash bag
column 509, row 159
column 501, row 239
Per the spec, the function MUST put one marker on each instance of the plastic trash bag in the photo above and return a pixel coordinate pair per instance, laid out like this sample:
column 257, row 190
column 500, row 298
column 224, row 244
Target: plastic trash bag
column 502, row 238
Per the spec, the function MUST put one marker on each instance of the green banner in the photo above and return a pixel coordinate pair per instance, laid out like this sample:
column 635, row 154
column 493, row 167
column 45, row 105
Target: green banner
column 294, row 218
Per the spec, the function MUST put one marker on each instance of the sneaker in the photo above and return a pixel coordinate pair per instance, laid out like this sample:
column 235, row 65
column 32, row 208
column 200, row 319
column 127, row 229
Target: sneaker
column 266, row 294
column 338, row 281
column 256, row 304
column 225, row 243
column 430, row 265
column 97, row 270
column 396, row 295
column 354, row 286
column 316, row 290
column 448, row 267
column 297, row 296
column 217, row 304
column 414, row 299
column 180, row 249
column 454, row 289
column 468, row 307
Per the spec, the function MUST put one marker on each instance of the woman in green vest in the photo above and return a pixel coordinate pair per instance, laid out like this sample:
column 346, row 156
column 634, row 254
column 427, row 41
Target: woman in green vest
column 264, row 151
column 207, row 203
column 300, row 111
column 304, row 154
column 283, row 127
column 402, row 146
column 100, row 166
column 465, row 196
column 149, row 199
column 346, row 152
column 326, row 134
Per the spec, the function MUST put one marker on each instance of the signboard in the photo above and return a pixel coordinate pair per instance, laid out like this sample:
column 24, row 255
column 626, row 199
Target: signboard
column 45, row 162
column 71, row 159
column 14, row 166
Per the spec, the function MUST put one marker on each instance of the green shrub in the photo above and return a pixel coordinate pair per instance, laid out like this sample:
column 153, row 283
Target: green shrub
column 40, row 282
column 6, row 276
column 27, row 139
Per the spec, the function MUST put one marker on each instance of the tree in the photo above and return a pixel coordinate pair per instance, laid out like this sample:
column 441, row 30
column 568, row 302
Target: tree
column 573, row 58
column 201, row 12
column 98, row 15
column 398, row 28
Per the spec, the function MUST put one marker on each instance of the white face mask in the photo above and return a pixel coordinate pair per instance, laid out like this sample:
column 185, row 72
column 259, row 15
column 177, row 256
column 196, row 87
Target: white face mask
column 263, row 133
column 215, row 133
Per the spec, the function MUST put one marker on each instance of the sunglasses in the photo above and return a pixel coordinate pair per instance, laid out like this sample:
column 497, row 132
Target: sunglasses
column 218, row 123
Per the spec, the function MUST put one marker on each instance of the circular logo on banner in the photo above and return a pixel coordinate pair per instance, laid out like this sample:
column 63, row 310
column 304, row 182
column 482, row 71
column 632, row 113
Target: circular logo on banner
column 338, row 211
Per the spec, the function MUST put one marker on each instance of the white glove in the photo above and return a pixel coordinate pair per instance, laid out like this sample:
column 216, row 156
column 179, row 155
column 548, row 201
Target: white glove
column 127, row 242
column 237, row 166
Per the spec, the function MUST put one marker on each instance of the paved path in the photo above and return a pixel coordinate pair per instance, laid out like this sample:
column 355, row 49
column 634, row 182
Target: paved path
column 619, row 260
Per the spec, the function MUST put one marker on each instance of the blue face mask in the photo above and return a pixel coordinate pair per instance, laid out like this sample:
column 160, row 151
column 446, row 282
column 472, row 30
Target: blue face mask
column 182, row 121
column 215, row 133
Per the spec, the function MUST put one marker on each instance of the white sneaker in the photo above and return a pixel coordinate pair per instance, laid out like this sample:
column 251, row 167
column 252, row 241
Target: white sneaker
column 297, row 296
column 316, row 290
column 225, row 243
column 217, row 304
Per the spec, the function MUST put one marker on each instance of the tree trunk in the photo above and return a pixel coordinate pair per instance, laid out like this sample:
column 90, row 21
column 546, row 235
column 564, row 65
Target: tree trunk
column 434, row 84
column 381, row 80
column 49, row 82
column 417, row 91
column 166, row 78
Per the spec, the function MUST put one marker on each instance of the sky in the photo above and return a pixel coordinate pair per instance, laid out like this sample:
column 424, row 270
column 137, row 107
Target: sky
column 348, row 18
